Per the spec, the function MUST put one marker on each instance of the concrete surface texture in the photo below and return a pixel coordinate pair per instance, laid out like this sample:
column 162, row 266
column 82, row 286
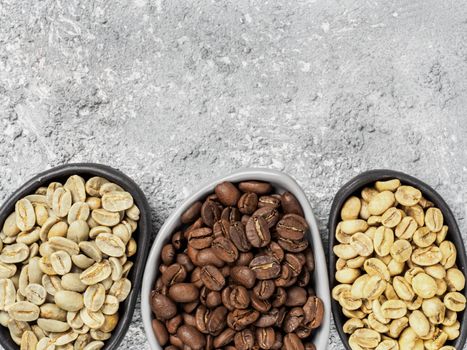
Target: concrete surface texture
column 176, row 92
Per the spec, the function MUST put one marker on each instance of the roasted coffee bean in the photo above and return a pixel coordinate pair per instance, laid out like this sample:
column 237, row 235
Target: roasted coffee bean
column 217, row 320
column 259, row 304
column 293, row 342
column 175, row 273
column 294, row 263
column 200, row 238
column 248, row 203
column 221, row 228
column 265, row 337
column 210, row 212
column 238, row 236
column 226, row 336
column 227, row 193
column 185, row 261
column 160, row 332
column 293, row 319
column 294, row 246
column 257, row 187
column 314, row 311
column 178, row 240
column 212, row 277
column 175, row 322
column 265, row 267
column 269, row 214
column 243, row 275
column 269, row 201
column 207, row 257
column 279, row 297
column 268, row 319
column 168, row 254
column 290, row 204
column 292, row 226
column 264, row 289
column 225, row 249
column 296, row 296
column 192, row 213
column 257, row 232
column 213, row 299
column 190, row 336
column 244, row 259
column 183, row 292
column 162, row 306
column 239, row 319
column 231, row 214
column 275, row 251
column 244, row 340
column 239, row 297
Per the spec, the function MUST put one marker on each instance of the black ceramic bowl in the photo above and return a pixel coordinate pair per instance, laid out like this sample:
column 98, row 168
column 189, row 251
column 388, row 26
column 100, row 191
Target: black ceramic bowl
column 353, row 187
column 141, row 235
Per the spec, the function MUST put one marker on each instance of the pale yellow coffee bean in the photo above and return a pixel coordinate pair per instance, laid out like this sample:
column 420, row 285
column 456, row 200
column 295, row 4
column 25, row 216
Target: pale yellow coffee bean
column 436, row 271
column 116, row 201
column 96, row 273
column 74, row 320
column 449, row 254
column 23, row 311
column 61, row 202
column 133, row 213
column 450, row 318
column 123, row 231
column 91, row 250
column 93, row 203
column 401, row 250
column 447, row 347
column 17, row 328
column 46, row 266
column 45, row 344
column 419, row 323
column 120, row 289
column 44, row 230
column 100, row 229
column 383, row 240
column 51, row 284
column 441, row 235
column 424, row 285
column 97, row 334
column 362, row 244
column 94, row 297
column 340, row 264
column 131, row 248
column 394, row 309
column 339, row 289
column 68, row 300
column 42, row 214
column 408, row 340
column 417, row 213
column 368, row 193
column 376, row 309
column 433, row 307
column 82, row 341
column 78, row 231
column 133, row 224
column 455, row 280
column 82, row 261
column 33, row 251
column 374, row 220
column 366, row 338
column 52, row 311
column 408, row 195
column 109, row 187
column 439, row 338
column 66, row 338
column 75, row 184
column 71, row 281
column 7, row 270
column 403, row 288
column 434, row 219
column 61, row 262
column 381, row 202
column 347, row 301
column 397, row 326
column 94, row 345
column 357, row 286
column 376, row 325
column 25, row 215
column 388, row 185
column 423, row 237
column 61, row 243
column 452, row 331
column 28, row 341
column 35, row 293
column 364, row 212
column 110, row 306
column 391, row 217
column 91, row 222
column 427, row 256
column 388, row 344
column 14, row 253
column 105, row 218
column 37, row 199
column 45, row 249
column 29, row 237
column 412, row 272
column 58, row 230
column 374, row 266
column 354, row 226
column 7, row 293
column 110, row 323
column 50, row 192
column 78, row 211
column 9, row 226
column 117, row 269
column 374, row 287
column 350, row 209
column 455, row 301
column 345, row 251
column 347, row 275
column 50, row 325
column 93, row 320
column 110, row 245
column 94, row 184
column 354, row 263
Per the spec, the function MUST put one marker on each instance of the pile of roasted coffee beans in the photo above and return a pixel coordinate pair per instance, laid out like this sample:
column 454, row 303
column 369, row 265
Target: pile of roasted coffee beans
column 237, row 275
column 400, row 287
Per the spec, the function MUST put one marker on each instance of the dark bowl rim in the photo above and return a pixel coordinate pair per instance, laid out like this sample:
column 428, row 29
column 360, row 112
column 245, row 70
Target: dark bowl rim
column 143, row 233
column 358, row 182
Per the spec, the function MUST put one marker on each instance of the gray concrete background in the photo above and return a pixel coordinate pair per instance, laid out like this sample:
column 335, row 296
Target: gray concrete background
column 176, row 92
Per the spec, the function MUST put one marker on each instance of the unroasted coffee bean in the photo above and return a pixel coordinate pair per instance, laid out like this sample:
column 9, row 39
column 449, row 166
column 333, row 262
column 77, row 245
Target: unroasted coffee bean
column 265, row 267
column 257, row 231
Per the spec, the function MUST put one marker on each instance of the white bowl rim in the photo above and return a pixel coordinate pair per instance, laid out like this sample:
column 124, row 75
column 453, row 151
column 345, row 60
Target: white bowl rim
column 246, row 174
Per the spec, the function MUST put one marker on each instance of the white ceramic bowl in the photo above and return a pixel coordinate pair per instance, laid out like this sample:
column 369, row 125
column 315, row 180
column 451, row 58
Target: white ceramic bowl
column 281, row 183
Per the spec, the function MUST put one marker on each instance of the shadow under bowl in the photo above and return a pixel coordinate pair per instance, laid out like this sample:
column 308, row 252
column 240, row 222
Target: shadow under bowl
column 353, row 187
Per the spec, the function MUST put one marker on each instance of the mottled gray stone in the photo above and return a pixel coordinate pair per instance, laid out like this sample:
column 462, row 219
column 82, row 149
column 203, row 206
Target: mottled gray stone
column 176, row 92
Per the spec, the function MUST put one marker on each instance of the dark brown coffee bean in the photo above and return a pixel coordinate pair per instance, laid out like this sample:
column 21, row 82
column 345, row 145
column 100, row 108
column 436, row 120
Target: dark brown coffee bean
column 294, row 246
column 190, row 307
column 309, row 260
column 225, row 249
column 221, row 228
column 192, row 213
column 309, row 346
column 168, row 254
column 217, row 320
column 275, row 250
column 257, row 187
column 239, row 297
column 240, row 319
column 225, row 295
column 173, row 324
column 244, row 259
column 183, row 292
column 160, row 332
column 293, row 342
column 238, row 236
column 281, row 316
column 212, row 277
column 213, row 299
column 196, row 277
column 178, row 240
column 243, row 275
column 292, row 226
column 196, row 225
column 257, row 232
column 294, row 262
column 278, row 342
column 265, row 267
column 209, row 342
column 171, row 347
column 226, row 336
column 200, row 238
column 191, row 337
column 227, row 193
column 192, row 254
column 314, row 311
column 225, row 270
column 303, row 332
column 231, row 214
column 175, row 273
column 185, row 261
column 160, row 287
column 279, row 297
column 162, row 307
column 264, row 289
column 201, row 318
column 286, row 278
column 269, row 201
column 296, row 296
column 244, row 340
column 268, row 319
column 293, row 319
column 304, row 278
column 265, row 337
column 290, row 204
column 208, row 257
column 269, row 214
column 244, row 219
column 176, row 341
column 210, row 212
column 261, row 305
column 248, row 203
